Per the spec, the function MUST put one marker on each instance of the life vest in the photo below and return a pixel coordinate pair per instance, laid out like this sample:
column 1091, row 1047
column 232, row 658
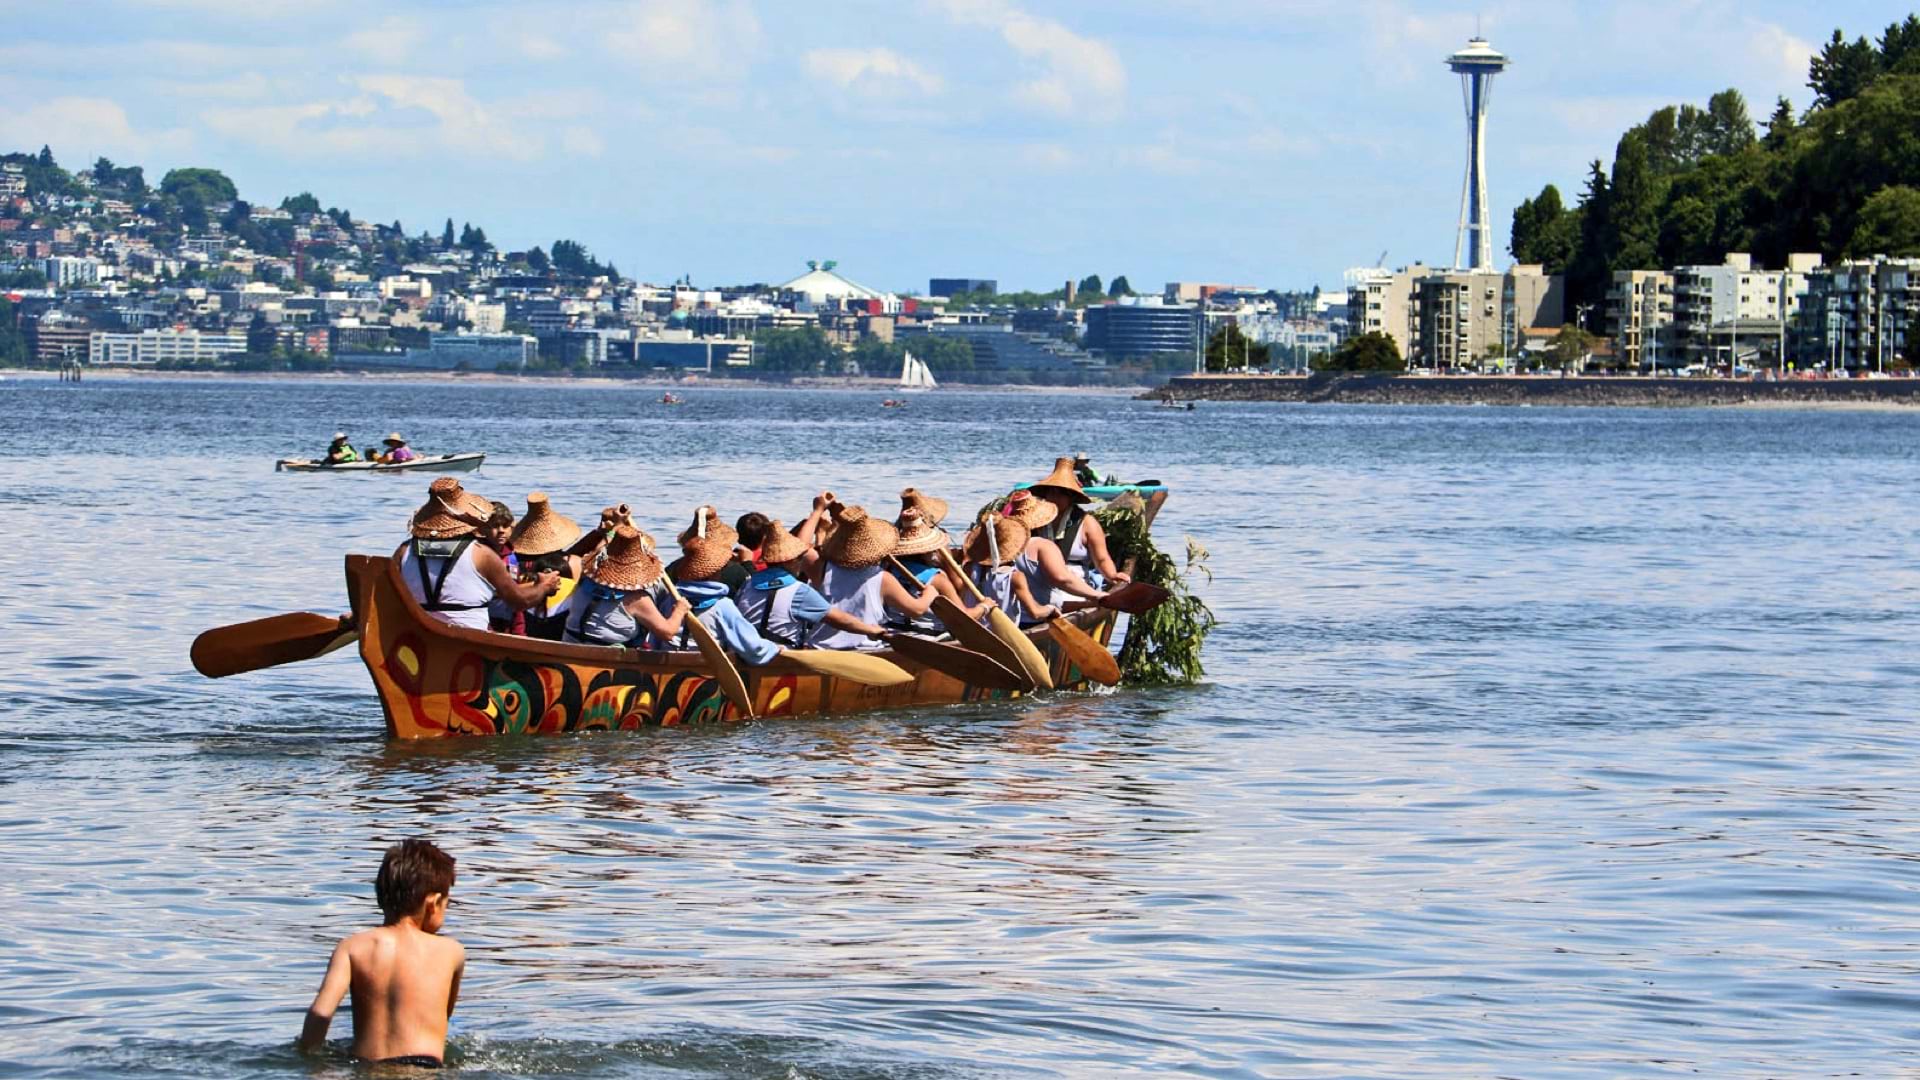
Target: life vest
column 767, row 602
column 918, row 582
column 598, row 616
column 449, row 554
column 856, row 592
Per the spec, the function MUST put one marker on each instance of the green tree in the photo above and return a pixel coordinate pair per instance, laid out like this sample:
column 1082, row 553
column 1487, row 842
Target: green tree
column 1889, row 224
column 538, row 260
column 802, row 350
column 303, row 203
column 1780, row 126
column 1569, row 347
column 1230, row 350
column 1369, row 352
column 1633, row 223
column 1120, row 287
column 1842, row 70
column 202, row 186
column 1730, row 126
column 446, row 235
column 13, row 343
column 1544, row 231
column 1090, row 286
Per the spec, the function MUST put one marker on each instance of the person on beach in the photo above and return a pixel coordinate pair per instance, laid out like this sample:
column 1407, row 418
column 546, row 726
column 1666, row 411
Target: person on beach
column 454, row 577
column 619, row 601
column 403, row 976
column 340, row 451
column 854, row 578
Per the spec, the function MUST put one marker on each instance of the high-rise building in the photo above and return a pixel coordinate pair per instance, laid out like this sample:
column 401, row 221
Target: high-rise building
column 1476, row 65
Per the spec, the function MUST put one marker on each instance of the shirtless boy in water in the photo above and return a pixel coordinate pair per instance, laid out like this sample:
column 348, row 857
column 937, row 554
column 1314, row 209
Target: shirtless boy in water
column 404, row 977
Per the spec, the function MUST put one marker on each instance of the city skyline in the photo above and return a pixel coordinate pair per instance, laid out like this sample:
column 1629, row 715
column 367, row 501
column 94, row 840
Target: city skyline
column 1275, row 142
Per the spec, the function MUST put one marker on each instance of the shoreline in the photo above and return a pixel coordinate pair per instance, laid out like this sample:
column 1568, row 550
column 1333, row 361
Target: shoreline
column 1552, row 391
column 649, row 382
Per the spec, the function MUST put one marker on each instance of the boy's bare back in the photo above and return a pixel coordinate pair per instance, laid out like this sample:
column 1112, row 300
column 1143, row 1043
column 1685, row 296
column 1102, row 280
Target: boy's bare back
column 404, row 978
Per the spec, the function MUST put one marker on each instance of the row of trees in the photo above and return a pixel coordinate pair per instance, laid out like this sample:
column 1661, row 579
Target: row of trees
column 807, row 350
column 1689, row 185
column 1090, row 291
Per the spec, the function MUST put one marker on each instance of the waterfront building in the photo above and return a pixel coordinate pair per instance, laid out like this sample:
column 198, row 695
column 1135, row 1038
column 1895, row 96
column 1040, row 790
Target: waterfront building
column 1476, row 65
column 683, row 352
column 1467, row 319
column 170, row 345
column 1000, row 347
column 1382, row 302
column 1124, row 329
column 949, row 286
column 67, row 271
column 1736, row 311
column 823, row 284
column 60, row 338
column 1857, row 315
column 1640, row 317
column 451, row 352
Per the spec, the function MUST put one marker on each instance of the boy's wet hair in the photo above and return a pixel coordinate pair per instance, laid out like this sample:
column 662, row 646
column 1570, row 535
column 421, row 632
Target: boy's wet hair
column 502, row 515
column 752, row 528
column 412, row 871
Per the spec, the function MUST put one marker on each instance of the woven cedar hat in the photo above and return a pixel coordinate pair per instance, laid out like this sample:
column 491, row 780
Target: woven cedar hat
column 450, row 511
column 934, row 510
column 918, row 536
column 1011, row 535
column 780, row 545
column 715, row 529
column 627, row 563
column 1063, row 479
column 858, row 541
column 1030, row 510
column 543, row 530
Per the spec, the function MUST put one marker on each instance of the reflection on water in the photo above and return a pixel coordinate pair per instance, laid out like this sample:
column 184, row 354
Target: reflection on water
column 1538, row 742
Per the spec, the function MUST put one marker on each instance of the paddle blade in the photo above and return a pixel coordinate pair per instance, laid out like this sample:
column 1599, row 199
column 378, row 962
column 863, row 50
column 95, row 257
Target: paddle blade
column 1135, row 598
column 1094, row 662
column 1024, row 650
column 264, row 643
column 971, row 668
column 721, row 666
column 863, row 668
column 980, row 639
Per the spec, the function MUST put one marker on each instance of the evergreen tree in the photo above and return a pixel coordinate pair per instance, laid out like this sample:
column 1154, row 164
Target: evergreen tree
column 537, row 259
column 446, row 236
column 1090, row 286
column 1633, row 224
column 1889, row 224
column 1842, row 70
column 1781, row 125
column 1120, row 287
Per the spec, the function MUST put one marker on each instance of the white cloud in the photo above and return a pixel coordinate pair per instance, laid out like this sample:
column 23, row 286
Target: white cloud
column 874, row 71
column 85, row 127
column 1779, row 55
column 675, row 38
column 403, row 116
column 1079, row 76
column 390, row 41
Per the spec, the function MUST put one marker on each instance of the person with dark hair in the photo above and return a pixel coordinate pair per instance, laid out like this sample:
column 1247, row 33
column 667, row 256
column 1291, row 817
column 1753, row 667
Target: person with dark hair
column 404, row 977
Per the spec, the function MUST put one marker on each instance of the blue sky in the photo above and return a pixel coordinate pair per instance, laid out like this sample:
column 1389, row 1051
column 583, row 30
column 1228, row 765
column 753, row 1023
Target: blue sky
column 1269, row 142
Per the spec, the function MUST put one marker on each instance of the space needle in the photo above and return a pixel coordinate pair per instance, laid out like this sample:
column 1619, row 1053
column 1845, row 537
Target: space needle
column 1476, row 65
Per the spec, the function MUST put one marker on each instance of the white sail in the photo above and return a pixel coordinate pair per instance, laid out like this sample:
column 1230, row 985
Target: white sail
column 915, row 375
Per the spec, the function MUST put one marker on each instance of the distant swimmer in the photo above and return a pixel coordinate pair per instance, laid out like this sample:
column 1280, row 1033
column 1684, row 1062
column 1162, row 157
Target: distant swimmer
column 404, row 977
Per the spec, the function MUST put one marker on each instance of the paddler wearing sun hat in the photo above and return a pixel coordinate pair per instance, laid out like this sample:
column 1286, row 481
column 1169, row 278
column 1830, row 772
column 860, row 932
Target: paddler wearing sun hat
column 618, row 602
column 1081, row 538
column 454, row 577
column 917, row 552
column 706, row 551
column 340, row 451
column 853, row 576
column 545, row 539
column 397, row 451
column 1050, row 582
column 993, row 548
column 783, row 607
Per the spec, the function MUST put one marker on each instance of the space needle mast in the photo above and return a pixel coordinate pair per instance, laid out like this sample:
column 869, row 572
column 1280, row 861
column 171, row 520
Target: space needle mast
column 1476, row 65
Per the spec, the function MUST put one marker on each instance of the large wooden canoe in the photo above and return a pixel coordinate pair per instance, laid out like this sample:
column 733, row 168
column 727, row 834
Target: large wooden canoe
column 437, row 680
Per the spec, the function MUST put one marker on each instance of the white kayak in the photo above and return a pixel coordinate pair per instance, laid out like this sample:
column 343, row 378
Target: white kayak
column 441, row 463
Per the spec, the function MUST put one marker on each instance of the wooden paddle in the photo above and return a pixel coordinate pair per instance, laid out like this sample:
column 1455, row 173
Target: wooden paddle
column 731, row 683
column 1093, row 660
column 971, row 668
column 264, row 643
column 863, row 668
column 979, row 639
column 965, row 664
column 1002, row 624
column 1135, row 598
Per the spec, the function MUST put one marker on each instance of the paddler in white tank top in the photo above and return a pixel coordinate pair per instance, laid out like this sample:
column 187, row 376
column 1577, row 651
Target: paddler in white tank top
column 1079, row 535
column 453, row 576
column 1053, row 580
column 778, row 600
column 997, row 563
column 853, row 576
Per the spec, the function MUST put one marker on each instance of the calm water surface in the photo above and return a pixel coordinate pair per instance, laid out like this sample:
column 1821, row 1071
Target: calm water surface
column 1536, row 743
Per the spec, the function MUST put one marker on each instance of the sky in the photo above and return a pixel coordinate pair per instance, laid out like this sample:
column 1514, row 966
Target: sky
column 1264, row 142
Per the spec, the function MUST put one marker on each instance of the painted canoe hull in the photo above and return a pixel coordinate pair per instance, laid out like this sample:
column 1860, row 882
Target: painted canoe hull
column 439, row 681
column 439, row 463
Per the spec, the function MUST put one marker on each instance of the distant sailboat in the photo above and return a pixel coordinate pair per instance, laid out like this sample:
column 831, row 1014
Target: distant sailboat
column 915, row 375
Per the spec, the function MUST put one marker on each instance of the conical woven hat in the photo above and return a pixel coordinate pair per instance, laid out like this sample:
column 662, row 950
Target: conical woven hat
column 780, row 545
column 934, row 510
column 702, row 559
column 543, row 530
column 1029, row 510
column 627, row 563
column 450, row 511
column 1010, row 533
column 1062, row 478
column 918, row 535
column 859, row 541
column 715, row 530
